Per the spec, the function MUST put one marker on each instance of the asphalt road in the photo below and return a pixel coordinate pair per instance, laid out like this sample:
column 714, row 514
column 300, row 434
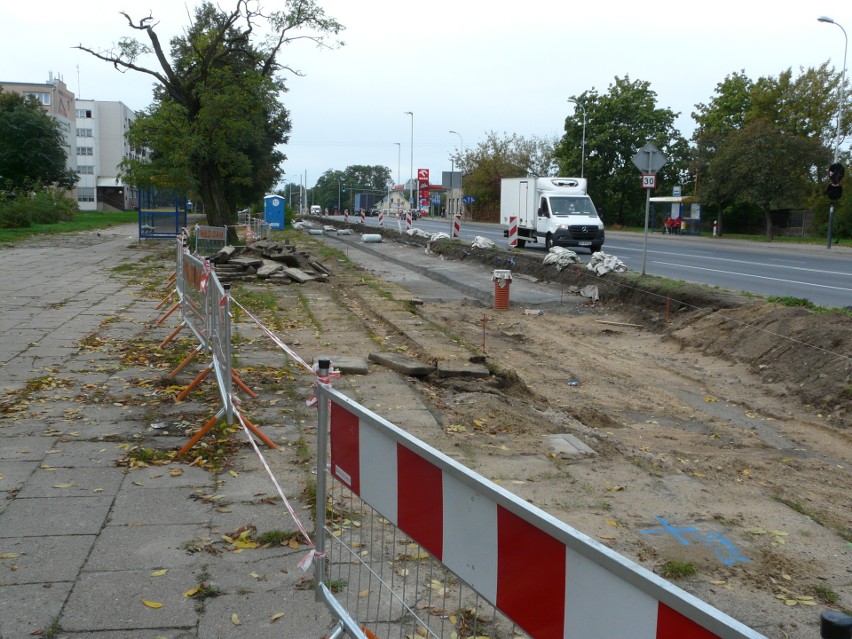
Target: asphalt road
column 821, row 275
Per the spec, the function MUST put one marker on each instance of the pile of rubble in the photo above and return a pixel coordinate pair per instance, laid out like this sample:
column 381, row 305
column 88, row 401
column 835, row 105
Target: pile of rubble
column 267, row 260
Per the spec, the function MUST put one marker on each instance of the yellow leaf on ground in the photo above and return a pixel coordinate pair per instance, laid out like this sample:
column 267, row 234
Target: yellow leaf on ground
column 610, row 522
column 293, row 543
column 233, row 473
column 159, row 573
column 192, row 591
column 8, row 555
column 235, row 619
column 364, row 593
column 152, row 604
column 176, row 472
column 276, row 617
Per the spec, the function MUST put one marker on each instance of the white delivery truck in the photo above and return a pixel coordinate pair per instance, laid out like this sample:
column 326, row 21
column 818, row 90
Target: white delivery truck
column 554, row 211
column 316, row 209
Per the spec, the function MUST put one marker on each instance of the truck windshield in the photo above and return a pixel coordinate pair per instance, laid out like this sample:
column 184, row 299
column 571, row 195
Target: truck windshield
column 566, row 205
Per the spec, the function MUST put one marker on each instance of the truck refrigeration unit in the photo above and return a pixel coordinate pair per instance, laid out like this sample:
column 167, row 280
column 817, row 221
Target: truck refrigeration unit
column 554, row 211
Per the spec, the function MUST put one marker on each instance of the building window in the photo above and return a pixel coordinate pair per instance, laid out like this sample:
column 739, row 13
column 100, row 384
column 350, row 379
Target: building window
column 84, row 133
column 84, row 113
column 41, row 96
column 85, row 194
column 86, row 170
column 85, row 150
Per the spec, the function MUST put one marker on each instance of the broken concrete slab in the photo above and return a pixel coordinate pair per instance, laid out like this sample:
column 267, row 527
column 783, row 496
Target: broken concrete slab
column 269, row 268
column 461, row 368
column 298, row 275
column 402, row 364
column 346, row 364
column 568, row 445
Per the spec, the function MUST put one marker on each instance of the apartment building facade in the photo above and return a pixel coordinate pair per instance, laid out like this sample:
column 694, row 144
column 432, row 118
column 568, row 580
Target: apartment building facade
column 100, row 146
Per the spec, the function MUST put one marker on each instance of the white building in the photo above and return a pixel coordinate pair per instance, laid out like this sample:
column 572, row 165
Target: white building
column 101, row 146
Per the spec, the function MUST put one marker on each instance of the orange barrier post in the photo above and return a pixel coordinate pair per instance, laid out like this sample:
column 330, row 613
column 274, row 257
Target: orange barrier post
column 172, row 334
column 186, row 360
column 194, row 383
column 242, row 385
column 201, row 433
column 169, row 312
column 257, row 432
column 163, row 302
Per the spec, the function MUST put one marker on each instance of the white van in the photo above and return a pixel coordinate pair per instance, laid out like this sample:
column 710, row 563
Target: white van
column 316, row 209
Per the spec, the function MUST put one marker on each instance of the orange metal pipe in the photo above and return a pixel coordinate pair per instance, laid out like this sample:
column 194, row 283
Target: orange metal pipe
column 169, row 312
column 193, row 384
column 185, row 362
column 172, row 334
column 242, row 385
column 195, row 438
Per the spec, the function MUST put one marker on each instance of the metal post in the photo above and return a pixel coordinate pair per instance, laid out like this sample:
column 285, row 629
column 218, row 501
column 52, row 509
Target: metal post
column 322, row 497
column 841, row 97
column 647, row 215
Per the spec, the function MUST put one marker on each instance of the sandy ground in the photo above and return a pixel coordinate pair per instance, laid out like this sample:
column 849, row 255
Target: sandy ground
column 703, row 451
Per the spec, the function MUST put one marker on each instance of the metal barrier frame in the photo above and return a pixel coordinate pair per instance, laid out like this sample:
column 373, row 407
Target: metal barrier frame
column 150, row 228
column 544, row 575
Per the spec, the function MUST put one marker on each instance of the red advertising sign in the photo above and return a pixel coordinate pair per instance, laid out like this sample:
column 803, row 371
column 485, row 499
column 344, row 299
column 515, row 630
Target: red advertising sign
column 422, row 175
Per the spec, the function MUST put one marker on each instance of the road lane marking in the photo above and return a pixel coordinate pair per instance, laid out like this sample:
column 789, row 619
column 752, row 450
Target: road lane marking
column 760, row 277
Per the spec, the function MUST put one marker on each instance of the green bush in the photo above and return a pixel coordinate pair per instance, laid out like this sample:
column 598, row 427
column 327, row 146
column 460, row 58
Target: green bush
column 22, row 209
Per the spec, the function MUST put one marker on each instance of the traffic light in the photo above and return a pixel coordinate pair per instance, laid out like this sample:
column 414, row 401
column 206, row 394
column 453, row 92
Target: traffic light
column 835, row 175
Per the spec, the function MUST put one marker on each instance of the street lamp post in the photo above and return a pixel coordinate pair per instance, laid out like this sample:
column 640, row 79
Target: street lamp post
column 840, row 91
column 398, row 156
column 461, row 187
column 583, row 146
column 338, row 196
column 411, row 172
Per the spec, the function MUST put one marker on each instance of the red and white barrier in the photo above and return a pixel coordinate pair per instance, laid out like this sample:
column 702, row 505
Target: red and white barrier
column 456, row 234
column 381, row 220
column 408, row 220
column 549, row 579
column 363, row 217
column 513, row 231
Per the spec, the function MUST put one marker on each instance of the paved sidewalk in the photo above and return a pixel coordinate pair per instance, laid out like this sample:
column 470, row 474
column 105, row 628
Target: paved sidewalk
column 83, row 543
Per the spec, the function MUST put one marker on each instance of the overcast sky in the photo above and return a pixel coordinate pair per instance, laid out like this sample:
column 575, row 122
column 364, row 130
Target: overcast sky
column 461, row 65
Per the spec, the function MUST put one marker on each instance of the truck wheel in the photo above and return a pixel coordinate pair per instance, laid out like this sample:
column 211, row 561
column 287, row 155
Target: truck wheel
column 521, row 243
column 548, row 242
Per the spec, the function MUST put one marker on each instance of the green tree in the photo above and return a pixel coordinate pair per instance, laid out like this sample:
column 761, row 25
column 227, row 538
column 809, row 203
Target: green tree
column 495, row 158
column 789, row 112
column 765, row 166
column 216, row 120
column 32, row 147
column 618, row 124
column 356, row 178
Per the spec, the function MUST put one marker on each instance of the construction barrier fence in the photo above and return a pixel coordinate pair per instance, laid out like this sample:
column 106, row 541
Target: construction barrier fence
column 419, row 545
column 409, row 542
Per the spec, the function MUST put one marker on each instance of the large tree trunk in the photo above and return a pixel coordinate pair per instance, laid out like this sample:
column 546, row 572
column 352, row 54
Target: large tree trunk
column 219, row 212
column 769, row 229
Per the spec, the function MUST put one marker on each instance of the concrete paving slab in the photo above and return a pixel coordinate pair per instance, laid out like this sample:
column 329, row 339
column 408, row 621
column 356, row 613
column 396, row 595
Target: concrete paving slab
column 48, row 516
column 566, row 444
column 461, row 368
column 49, row 481
column 76, row 454
column 141, row 506
column 29, row 608
column 25, row 448
column 146, row 547
column 113, row 600
column 14, row 474
column 402, row 364
column 43, row 559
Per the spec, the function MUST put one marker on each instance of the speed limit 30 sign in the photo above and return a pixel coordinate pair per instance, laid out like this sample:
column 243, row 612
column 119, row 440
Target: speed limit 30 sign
column 649, row 181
